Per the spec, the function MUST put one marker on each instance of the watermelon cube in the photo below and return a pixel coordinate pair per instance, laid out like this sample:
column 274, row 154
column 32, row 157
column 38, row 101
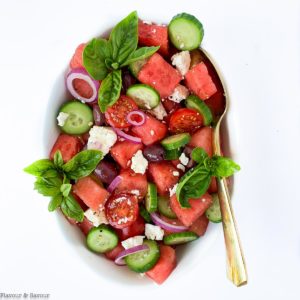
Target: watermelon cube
column 200, row 82
column 203, row 138
column 160, row 75
column 200, row 225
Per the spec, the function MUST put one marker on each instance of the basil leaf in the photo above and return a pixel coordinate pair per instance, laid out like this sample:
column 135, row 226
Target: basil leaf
column 193, row 185
column 140, row 53
column 65, row 189
column 94, row 55
column 42, row 168
column 58, row 160
column 55, row 202
column 223, row 166
column 124, row 38
column 82, row 164
column 110, row 90
column 72, row 209
column 199, row 155
column 48, row 186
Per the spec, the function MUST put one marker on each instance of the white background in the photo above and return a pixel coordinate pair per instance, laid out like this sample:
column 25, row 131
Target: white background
column 257, row 46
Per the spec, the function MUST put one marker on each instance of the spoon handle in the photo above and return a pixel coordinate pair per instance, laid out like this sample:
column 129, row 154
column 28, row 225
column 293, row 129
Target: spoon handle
column 236, row 267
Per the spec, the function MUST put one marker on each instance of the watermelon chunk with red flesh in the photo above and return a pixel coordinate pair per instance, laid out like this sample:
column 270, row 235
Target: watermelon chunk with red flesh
column 165, row 265
column 162, row 174
column 77, row 59
column 216, row 103
column 176, row 222
column 91, row 193
column 213, row 188
column 122, row 152
column 200, row 225
column 132, row 183
column 151, row 131
column 68, row 145
column 112, row 254
column 189, row 215
column 203, row 139
column 85, row 226
column 160, row 75
column 200, row 82
column 154, row 35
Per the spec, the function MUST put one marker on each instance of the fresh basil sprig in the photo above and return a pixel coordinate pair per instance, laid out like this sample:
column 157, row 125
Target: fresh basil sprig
column 53, row 179
column 197, row 180
column 104, row 58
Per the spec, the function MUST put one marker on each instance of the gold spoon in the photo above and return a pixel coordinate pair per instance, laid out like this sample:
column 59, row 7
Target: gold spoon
column 236, row 267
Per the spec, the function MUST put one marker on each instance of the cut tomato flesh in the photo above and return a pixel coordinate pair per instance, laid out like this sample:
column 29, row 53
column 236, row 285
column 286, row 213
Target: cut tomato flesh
column 137, row 228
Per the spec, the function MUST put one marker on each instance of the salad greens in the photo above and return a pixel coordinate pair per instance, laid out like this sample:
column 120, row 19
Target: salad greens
column 104, row 58
column 196, row 181
column 53, row 179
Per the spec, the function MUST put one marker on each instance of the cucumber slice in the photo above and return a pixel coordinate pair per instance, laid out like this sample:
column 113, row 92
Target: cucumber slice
column 213, row 213
column 151, row 198
column 145, row 260
column 80, row 118
column 185, row 32
column 144, row 213
column 180, row 238
column 172, row 154
column 145, row 96
column 175, row 141
column 196, row 103
column 101, row 239
column 164, row 208
column 136, row 66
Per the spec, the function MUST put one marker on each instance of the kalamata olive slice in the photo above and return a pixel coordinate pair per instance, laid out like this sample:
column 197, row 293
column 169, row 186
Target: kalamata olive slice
column 154, row 152
column 106, row 171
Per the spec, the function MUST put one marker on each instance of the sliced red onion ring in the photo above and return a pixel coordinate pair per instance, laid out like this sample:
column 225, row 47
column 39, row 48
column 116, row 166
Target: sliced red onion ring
column 136, row 113
column 126, row 136
column 120, row 258
column 165, row 225
column 114, row 184
column 82, row 74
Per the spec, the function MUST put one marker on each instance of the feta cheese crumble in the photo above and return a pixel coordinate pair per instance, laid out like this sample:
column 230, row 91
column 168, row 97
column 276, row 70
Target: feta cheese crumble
column 96, row 217
column 152, row 132
column 180, row 93
column 175, row 173
column 154, row 232
column 133, row 241
column 139, row 163
column 159, row 111
column 173, row 190
column 184, row 159
column 181, row 167
column 101, row 138
column 62, row 118
column 181, row 61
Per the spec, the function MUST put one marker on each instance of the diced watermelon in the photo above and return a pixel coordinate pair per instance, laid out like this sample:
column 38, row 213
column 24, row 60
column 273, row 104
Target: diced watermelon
column 112, row 254
column 200, row 82
column 176, row 222
column 200, row 225
column 77, row 60
column 137, row 228
column 132, row 183
column 203, row 139
column 165, row 265
column 122, row 152
column 213, row 188
column 160, row 75
column 189, row 215
column 162, row 175
column 85, row 226
column 154, row 35
column 68, row 145
column 216, row 103
column 91, row 193
column 151, row 131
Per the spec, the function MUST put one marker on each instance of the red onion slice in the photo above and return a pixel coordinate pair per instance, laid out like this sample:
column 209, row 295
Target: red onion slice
column 126, row 136
column 136, row 114
column 165, row 225
column 82, row 74
column 114, row 184
column 120, row 258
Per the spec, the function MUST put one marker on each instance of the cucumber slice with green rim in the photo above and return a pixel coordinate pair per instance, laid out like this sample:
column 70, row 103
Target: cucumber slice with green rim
column 136, row 66
column 101, row 239
column 185, row 32
column 176, row 141
column 144, row 213
column 213, row 213
column 172, row 154
column 196, row 103
column 151, row 198
column 164, row 207
column 145, row 96
column 145, row 260
column 180, row 238
column 80, row 118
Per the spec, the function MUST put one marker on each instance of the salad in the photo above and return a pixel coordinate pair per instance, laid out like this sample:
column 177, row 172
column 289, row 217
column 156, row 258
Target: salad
column 133, row 166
